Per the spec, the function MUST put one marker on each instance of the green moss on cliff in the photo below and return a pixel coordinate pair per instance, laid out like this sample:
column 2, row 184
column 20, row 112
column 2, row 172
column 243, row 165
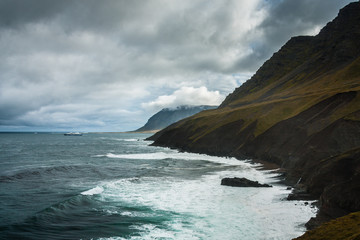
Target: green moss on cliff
column 344, row 228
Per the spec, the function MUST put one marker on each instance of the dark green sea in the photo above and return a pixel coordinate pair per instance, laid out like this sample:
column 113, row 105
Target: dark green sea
column 116, row 186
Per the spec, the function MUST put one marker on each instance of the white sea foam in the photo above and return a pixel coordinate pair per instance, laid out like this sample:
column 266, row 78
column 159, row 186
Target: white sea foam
column 127, row 139
column 93, row 191
column 132, row 140
column 123, row 139
column 173, row 154
column 200, row 208
column 207, row 210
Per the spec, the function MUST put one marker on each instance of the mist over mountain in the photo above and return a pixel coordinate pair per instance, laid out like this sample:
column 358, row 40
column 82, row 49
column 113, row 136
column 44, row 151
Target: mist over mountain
column 168, row 116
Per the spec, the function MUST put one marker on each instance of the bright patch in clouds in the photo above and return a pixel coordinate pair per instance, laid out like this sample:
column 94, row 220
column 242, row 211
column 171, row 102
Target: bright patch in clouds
column 186, row 96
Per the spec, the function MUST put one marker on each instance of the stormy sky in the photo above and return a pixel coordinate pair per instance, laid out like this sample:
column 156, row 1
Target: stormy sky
column 90, row 65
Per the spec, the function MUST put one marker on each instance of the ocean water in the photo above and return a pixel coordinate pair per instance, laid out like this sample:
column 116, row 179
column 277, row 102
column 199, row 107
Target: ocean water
column 116, row 186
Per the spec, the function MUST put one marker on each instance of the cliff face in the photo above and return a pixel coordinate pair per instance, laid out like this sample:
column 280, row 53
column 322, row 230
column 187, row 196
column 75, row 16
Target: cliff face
column 301, row 110
column 168, row 116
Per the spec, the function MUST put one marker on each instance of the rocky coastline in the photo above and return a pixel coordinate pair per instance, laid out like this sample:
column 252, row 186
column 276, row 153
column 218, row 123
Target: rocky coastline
column 301, row 112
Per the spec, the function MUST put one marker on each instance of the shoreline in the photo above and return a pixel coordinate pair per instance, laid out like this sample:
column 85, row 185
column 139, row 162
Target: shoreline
column 298, row 191
column 267, row 168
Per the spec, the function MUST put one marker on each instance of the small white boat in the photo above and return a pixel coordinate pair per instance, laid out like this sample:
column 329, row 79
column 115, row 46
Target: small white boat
column 73, row 134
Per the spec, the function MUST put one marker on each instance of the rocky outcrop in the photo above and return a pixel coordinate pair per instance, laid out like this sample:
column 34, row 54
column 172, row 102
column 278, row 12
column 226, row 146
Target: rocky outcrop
column 242, row 182
column 301, row 111
column 300, row 192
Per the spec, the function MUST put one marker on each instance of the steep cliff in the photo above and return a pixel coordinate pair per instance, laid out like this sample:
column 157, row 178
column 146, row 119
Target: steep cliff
column 301, row 110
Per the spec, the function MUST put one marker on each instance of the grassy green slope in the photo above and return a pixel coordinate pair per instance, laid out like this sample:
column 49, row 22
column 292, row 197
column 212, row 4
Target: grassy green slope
column 344, row 228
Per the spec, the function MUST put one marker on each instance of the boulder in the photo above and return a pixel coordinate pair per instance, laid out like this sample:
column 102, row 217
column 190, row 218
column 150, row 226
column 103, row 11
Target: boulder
column 242, row 182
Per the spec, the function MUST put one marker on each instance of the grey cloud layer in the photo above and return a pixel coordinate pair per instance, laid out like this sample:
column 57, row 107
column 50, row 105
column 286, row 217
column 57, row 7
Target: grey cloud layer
column 95, row 63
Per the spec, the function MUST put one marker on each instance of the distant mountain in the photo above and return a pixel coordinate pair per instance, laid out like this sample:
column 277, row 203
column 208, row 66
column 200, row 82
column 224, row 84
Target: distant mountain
column 168, row 116
column 301, row 111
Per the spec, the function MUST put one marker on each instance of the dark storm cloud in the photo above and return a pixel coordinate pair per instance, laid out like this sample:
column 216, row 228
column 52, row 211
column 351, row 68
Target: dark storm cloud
column 91, row 62
column 285, row 19
column 289, row 18
column 74, row 15
column 14, row 13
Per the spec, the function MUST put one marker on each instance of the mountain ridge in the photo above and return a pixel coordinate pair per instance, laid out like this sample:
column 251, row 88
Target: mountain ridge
column 168, row 116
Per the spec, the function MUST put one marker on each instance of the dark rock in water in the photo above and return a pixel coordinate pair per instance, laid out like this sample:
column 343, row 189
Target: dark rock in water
column 242, row 182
